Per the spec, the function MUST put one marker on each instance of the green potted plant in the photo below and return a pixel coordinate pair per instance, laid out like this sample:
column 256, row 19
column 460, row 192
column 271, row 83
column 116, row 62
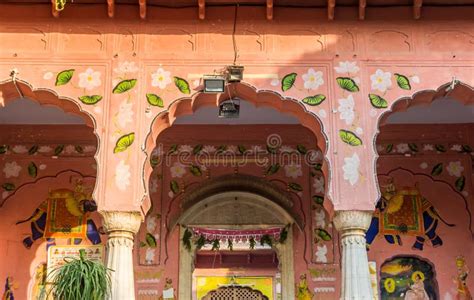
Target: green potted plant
column 79, row 279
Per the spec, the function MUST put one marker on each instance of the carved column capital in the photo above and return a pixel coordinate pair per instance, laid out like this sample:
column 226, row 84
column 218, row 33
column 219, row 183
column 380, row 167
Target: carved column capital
column 121, row 221
column 352, row 222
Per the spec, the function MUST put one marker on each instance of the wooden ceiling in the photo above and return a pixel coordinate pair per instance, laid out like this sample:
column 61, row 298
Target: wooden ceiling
column 201, row 5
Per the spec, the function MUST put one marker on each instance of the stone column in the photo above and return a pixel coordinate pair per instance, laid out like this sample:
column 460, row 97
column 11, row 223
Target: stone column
column 355, row 276
column 121, row 226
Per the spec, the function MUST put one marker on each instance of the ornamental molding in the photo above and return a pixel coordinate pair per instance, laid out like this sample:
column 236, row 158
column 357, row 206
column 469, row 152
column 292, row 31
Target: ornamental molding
column 121, row 221
column 352, row 221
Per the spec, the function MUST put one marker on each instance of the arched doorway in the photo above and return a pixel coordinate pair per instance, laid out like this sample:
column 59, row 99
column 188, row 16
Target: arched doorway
column 253, row 213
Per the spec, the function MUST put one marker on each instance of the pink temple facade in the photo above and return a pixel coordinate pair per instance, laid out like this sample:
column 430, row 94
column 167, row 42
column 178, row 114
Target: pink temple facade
column 343, row 168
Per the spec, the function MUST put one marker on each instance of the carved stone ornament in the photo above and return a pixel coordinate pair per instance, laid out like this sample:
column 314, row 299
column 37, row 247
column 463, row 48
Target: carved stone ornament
column 352, row 221
column 124, row 221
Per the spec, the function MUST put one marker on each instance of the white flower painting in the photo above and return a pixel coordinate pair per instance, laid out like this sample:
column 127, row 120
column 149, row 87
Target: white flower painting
column 402, row 148
column 351, row 168
column 313, row 79
column 161, row 78
column 89, row 79
column 293, row 171
column 321, row 254
column 122, row 175
column 320, row 219
column 347, row 67
column 455, row 168
column 126, row 67
column 381, row 80
column 318, row 185
column 177, row 170
column 19, row 149
column 346, row 109
column 125, row 114
column 48, row 75
column 149, row 256
column 11, row 169
column 151, row 223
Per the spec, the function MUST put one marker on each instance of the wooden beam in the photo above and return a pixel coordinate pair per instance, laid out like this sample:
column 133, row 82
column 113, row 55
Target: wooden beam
column 142, row 4
column 417, row 9
column 269, row 10
column 202, row 9
column 331, row 7
column 54, row 11
column 111, row 8
column 362, row 5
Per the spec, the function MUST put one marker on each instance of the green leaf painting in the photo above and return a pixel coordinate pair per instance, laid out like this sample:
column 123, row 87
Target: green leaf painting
column 318, row 167
column 347, row 83
column 301, row 149
column 64, row 77
column 197, row 149
column 174, row 186
column 150, row 240
column 295, row 186
column 271, row 149
column 403, row 81
column 124, row 142
column 182, row 85
column 389, row 148
column 377, row 101
column 413, row 147
column 33, row 150
column 437, row 170
column 154, row 100
column 288, row 81
column 314, row 100
column 124, row 86
column 90, row 100
column 8, row 186
column 323, row 234
column 173, row 149
column 460, row 182
column 195, row 170
column 272, row 169
column 349, row 138
column 440, row 148
column 3, row 149
column 318, row 200
column 242, row 149
column 79, row 149
column 465, row 149
column 58, row 150
column 32, row 170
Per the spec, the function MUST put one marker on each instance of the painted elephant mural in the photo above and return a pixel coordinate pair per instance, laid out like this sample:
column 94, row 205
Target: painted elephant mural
column 405, row 212
column 65, row 214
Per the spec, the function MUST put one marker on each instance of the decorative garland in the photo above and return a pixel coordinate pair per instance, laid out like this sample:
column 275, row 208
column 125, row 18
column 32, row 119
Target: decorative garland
column 202, row 236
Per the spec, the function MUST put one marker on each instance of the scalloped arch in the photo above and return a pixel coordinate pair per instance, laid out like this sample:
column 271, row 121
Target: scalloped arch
column 244, row 91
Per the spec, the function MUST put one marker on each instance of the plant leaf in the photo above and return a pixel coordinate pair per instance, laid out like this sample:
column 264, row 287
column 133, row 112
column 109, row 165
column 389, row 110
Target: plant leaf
column 32, row 170
column 323, row 234
column 8, row 186
column 90, row 100
column 314, row 100
column 155, row 100
column 58, row 150
column 347, row 83
column 64, row 77
column 124, row 142
column 150, row 240
column 377, row 101
column 288, row 81
column 437, row 170
column 174, row 186
column 295, row 186
column 195, row 170
column 182, row 85
column 124, row 85
column 460, row 182
column 349, row 138
column 403, row 81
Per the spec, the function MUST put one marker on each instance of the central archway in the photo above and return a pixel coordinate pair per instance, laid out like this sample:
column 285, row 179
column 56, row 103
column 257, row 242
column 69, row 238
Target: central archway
column 234, row 194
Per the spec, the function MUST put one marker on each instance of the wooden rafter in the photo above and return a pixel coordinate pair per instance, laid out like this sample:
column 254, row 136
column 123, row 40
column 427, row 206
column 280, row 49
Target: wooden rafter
column 331, row 8
column 54, row 11
column 111, row 8
column 417, row 8
column 269, row 10
column 202, row 9
column 362, row 5
column 142, row 4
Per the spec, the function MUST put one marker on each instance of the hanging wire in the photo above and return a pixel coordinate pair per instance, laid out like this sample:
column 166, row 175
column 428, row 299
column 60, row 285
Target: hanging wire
column 233, row 33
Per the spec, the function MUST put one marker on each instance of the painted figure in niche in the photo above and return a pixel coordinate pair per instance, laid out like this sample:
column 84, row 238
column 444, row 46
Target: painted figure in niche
column 39, row 285
column 407, row 278
column 168, row 290
column 303, row 292
column 405, row 212
column 463, row 292
column 9, row 287
column 65, row 214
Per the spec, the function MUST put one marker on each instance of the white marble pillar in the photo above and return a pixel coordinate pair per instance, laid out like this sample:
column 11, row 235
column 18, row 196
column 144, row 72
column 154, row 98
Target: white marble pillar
column 355, row 277
column 121, row 227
